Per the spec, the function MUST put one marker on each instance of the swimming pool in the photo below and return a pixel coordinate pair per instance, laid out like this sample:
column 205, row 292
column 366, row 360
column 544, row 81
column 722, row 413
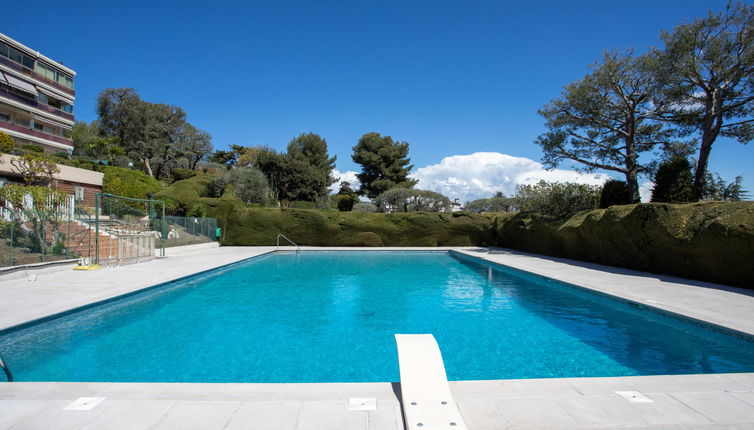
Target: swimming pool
column 330, row 316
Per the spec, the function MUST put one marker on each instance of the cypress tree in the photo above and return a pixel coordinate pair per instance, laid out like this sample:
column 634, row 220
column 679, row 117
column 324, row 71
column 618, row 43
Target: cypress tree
column 673, row 182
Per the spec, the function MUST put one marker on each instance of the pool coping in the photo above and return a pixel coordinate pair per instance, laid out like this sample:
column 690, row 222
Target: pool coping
column 484, row 404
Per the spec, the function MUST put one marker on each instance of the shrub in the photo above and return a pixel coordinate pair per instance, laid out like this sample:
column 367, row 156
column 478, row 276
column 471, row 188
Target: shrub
column 493, row 204
column 129, row 183
column 198, row 210
column 364, row 207
column 410, row 200
column 558, row 199
column 6, row 143
column 181, row 196
column 344, row 203
column 78, row 163
column 673, row 182
column 31, row 148
column 249, row 184
column 181, row 174
column 301, row 204
column 613, row 193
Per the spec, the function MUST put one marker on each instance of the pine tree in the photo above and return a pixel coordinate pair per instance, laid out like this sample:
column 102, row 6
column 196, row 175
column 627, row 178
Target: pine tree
column 384, row 164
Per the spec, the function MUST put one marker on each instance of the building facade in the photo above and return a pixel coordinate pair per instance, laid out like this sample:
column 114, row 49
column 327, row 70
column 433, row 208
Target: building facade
column 36, row 97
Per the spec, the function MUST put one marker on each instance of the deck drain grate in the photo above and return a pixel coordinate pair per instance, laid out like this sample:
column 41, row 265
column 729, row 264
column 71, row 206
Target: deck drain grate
column 362, row 404
column 634, row 397
column 84, row 404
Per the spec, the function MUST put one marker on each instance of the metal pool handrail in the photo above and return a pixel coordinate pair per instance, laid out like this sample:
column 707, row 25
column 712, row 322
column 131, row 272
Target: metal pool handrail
column 286, row 238
column 6, row 370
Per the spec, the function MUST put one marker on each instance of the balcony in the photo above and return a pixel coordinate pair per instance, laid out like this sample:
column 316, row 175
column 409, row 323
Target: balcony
column 35, row 104
column 25, row 130
column 34, row 75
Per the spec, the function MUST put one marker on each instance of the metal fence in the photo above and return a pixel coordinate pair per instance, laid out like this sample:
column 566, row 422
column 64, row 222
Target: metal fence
column 190, row 231
column 36, row 233
column 118, row 230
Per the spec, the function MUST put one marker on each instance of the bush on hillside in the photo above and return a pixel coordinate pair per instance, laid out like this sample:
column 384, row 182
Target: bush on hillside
column 129, row 183
column 6, row 143
column 344, row 203
column 301, row 204
column 493, row 204
column 181, row 174
column 411, row 200
column 558, row 199
column 364, row 207
column 613, row 193
column 249, row 184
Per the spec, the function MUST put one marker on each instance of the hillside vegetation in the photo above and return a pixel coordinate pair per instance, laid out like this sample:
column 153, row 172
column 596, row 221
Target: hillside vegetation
column 712, row 241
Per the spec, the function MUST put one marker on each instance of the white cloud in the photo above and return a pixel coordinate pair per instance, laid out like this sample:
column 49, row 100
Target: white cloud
column 645, row 191
column 348, row 176
column 481, row 174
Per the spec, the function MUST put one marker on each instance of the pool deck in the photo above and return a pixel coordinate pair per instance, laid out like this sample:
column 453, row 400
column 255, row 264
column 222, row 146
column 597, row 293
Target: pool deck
column 723, row 401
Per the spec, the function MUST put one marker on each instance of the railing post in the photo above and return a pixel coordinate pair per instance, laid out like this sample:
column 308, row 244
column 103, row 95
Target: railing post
column 96, row 227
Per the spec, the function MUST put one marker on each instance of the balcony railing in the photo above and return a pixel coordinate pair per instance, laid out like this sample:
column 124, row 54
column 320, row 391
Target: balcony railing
column 21, row 129
column 34, row 75
column 36, row 104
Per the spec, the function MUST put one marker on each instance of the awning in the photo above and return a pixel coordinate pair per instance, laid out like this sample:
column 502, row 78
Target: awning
column 54, row 95
column 19, row 84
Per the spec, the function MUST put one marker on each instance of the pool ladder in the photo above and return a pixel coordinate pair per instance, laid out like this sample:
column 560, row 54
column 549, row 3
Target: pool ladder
column 286, row 238
column 6, row 370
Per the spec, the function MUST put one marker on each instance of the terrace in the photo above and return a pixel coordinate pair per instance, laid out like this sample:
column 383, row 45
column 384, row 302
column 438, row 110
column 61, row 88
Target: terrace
column 694, row 401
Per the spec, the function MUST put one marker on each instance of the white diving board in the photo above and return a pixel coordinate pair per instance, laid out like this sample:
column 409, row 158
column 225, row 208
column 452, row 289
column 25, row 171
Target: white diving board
column 427, row 403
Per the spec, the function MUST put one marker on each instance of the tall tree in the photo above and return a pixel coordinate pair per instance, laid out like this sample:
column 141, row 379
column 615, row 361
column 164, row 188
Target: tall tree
column 384, row 164
column 159, row 144
column 707, row 71
column 121, row 114
column 605, row 120
column 312, row 148
column 673, row 182
column 289, row 178
column 194, row 144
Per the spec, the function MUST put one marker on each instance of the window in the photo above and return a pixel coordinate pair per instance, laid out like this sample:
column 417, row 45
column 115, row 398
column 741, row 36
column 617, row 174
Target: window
column 17, row 56
column 4, row 117
column 79, row 193
column 50, row 73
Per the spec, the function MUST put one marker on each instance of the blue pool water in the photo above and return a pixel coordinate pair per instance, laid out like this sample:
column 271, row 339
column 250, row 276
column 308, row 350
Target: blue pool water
column 331, row 316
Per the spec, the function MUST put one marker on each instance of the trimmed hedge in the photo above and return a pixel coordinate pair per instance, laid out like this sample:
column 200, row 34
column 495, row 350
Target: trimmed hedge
column 128, row 182
column 260, row 226
column 711, row 241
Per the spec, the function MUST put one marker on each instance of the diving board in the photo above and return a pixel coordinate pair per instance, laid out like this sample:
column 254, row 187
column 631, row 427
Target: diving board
column 427, row 403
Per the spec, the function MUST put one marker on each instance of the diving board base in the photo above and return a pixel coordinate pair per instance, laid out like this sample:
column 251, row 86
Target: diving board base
column 426, row 398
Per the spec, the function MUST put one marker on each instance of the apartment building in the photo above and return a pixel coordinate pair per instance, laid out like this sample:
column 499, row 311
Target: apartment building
column 36, row 97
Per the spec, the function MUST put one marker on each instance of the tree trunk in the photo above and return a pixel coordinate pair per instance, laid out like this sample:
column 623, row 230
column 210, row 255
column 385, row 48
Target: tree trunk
column 632, row 181
column 701, row 167
column 713, row 120
column 149, row 168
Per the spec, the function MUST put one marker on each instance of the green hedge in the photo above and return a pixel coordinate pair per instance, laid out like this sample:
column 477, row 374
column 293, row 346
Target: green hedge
column 128, row 182
column 711, row 241
column 260, row 226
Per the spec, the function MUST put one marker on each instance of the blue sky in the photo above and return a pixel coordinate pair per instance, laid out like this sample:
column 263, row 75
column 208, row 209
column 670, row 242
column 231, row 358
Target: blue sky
column 451, row 78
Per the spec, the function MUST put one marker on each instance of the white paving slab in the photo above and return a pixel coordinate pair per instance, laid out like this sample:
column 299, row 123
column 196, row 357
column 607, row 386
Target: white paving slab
column 680, row 402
